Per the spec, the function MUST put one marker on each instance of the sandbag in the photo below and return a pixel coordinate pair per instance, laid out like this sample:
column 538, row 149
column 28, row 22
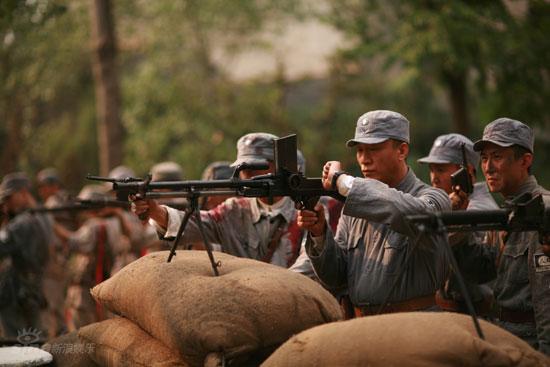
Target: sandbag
column 119, row 342
column 69, row 351
column 406, row 339
column 251, row 306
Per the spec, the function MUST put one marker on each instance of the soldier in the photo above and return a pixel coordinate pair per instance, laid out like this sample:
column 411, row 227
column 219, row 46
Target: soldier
column 220, row 170
column 24, row 245
column 169, row 171
column 53, row 195
column 99, row 248
column 521, row 288
column 445, row 159
column 164, row 171
column 375, row 253
column 245, row 227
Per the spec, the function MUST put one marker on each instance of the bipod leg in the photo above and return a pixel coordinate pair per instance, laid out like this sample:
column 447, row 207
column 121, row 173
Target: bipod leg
column 194, row 201
column 183, row 224
column 442, row 233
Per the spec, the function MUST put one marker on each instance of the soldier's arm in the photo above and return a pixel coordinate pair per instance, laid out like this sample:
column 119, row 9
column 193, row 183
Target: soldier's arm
column 477, row 257
column 211, row 223
column 328, row 254
column 377, row 202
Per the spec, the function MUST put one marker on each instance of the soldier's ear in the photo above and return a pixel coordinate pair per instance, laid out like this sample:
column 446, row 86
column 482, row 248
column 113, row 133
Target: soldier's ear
column 527, row 160
column 403, row 151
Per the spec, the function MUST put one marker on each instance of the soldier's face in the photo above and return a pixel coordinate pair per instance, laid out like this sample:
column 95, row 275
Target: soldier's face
column 249, row 173
column 503, row 172
column 15, row 202
column 440, row 175
column 381, row 161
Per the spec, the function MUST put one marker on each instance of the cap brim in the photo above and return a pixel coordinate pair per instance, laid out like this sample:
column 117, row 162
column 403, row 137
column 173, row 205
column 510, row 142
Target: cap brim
column 434, row 160
column 249, row 161
column 478, row 145
column 353, row 142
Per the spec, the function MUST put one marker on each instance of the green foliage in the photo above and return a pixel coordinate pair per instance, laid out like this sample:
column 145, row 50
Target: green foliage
column 178, row 104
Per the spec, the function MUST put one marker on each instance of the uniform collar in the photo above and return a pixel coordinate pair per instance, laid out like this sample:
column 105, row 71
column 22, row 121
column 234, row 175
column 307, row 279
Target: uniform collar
column 529, row 185
column 284, row 207
column 408, row 182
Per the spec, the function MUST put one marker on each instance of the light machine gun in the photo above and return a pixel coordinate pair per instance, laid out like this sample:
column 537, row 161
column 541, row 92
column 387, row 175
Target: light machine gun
column 525, row 213
column 286, row 181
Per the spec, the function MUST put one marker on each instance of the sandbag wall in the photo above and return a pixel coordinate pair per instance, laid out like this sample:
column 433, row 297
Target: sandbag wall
column 179, row 313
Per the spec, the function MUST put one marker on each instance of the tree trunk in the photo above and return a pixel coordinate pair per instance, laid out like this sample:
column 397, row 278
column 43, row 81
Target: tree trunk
column 109, row 128
column 457, row 95
column 12, row 149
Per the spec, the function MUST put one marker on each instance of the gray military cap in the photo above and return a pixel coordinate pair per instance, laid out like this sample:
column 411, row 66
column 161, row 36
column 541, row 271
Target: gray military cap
column 121, row 172
column 506, row 132
column 447, row 149
column 255, row 148
column 378, row 126
column 48, row 176
column 13, row 182
column 220, row 170
column 93, row 192
column 167, row 171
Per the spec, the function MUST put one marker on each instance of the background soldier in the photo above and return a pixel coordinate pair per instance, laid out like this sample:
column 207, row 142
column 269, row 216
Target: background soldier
column 245, row 227
column 522, row 286
column 99, row 248
column 220, row 170
column 24, row 245
column 369, row 251
column 445, row 158
column 53, row 195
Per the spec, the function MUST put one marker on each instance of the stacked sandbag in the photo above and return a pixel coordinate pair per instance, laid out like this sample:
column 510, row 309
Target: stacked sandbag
column 69, row 351
column 119, row 342
column 251, row 308
column 406, row 339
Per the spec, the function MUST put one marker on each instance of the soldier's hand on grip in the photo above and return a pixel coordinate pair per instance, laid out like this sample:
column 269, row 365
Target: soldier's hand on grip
column 312, row 221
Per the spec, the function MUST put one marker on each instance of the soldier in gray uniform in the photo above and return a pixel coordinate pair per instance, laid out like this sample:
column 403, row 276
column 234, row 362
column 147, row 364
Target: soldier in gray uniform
column 24, row 245
column 244, row 227
column 53, row 195
column 220, row 170
column 445, row 159
column 369, row 250
column 522, row 285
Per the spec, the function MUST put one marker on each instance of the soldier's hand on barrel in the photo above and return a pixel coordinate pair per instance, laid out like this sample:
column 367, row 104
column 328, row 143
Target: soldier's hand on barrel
column 312, row 221
column 328, row 171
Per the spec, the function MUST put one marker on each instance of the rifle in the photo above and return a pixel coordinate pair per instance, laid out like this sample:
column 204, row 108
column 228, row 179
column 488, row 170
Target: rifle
column 80, row 204
column 89, row 204
column 286, row 181
column 525, row 213
column 461, row 178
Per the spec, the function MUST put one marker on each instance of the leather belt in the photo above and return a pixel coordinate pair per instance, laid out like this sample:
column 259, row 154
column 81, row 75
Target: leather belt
column 517, row 317
column 483, row 308
column 410, row 305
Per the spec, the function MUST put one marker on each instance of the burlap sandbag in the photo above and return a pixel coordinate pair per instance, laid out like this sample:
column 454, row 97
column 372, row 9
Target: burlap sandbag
column 406, row 339
column 251, row 306
column 120, row 342
column 69, row 351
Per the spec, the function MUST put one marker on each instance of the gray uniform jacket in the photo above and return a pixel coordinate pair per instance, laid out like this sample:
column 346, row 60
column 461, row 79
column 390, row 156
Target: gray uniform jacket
column 244, row 227
column 25, row 240
column 522, row 270
column 480, row 199
column 373, row 239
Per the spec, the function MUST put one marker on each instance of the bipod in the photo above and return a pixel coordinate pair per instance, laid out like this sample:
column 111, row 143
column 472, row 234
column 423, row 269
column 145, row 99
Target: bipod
column 441, row 232
column 194, row 210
